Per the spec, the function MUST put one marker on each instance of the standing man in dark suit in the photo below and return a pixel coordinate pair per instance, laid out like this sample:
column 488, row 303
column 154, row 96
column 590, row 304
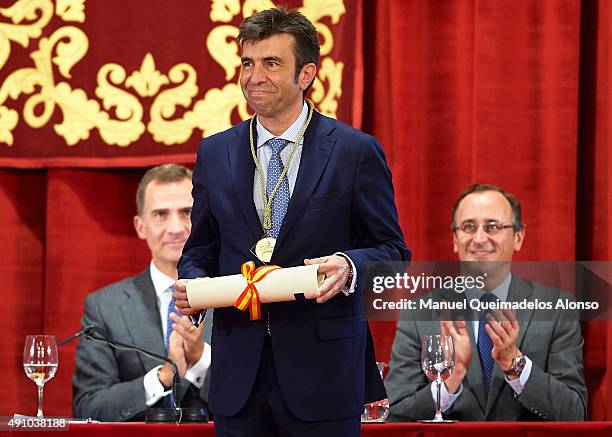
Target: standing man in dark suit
column 116, row 385
column 316, row 191
column 514, row 365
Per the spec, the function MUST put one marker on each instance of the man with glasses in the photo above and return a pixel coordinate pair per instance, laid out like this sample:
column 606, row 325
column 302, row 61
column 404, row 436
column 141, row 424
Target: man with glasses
column 523, row 364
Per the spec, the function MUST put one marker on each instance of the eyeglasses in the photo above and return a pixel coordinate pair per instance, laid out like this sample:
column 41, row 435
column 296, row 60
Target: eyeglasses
column 491, row 228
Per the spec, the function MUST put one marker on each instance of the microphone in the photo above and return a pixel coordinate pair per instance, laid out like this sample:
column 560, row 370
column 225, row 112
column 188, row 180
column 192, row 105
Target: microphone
column 85, row 330
column 176, row 414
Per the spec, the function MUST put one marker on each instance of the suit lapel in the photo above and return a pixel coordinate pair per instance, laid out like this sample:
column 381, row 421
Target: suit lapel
column 519, row 291
column 242, row 170
column 141, row 317
column 318, row 145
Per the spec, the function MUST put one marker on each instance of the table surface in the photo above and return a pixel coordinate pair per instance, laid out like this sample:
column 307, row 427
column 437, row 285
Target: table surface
column 471, row 429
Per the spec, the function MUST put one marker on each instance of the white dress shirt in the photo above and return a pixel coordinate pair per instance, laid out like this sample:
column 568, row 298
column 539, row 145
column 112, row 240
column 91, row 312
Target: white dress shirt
column 195, row 374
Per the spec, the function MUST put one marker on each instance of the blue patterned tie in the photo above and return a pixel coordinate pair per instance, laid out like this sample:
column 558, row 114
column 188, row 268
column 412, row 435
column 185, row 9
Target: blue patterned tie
column 281, row 198
column 169, row 323
column 485, row 344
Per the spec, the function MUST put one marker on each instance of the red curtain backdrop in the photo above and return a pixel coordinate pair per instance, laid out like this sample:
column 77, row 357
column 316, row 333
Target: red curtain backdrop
column 594, row 187
column 513, row 93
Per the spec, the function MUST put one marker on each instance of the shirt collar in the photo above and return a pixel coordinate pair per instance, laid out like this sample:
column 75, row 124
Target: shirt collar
column 501, row 291
column 290, row 134
column 161, row 282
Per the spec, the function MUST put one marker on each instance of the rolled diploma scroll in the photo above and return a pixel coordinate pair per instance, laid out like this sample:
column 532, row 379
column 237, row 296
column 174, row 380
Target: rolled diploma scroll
column 281, row 285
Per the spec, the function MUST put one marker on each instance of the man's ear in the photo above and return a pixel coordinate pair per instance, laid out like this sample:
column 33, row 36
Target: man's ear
column 308, row 73
column 455, row 246
column 139, row 226
column 518, row 239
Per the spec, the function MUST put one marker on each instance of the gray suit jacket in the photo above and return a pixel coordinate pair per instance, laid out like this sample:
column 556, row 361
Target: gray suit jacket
column 108, row 383
column 551, row 339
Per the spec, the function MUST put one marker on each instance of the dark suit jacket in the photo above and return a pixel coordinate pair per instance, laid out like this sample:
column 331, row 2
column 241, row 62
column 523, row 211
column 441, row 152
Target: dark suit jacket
column 342, row 201
column 108, row 383
column 551, row 339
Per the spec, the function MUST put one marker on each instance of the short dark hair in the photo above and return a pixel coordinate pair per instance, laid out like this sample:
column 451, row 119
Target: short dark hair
column 165, row 174
column 275, row 21
column 517, row 219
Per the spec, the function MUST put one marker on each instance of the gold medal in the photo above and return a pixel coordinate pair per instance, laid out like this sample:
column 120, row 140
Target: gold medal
column 264, row 249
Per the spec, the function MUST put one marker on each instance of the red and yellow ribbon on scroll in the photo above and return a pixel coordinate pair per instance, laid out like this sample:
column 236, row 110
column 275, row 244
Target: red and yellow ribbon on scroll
column 249, row 298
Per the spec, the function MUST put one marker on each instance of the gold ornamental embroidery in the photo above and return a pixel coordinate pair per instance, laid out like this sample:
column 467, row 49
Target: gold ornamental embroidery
column 116, row 111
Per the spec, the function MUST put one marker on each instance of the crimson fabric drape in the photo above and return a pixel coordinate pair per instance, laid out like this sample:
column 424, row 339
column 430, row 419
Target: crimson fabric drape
column 67, row 233
column 514, row 93
column 594, row 196
column 22, row 239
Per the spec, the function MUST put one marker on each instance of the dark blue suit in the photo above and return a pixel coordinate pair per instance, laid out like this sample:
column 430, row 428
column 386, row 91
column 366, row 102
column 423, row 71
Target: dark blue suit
column 342, row 201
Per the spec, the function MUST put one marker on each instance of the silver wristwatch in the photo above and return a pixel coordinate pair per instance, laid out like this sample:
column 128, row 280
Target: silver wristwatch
column 518, row 364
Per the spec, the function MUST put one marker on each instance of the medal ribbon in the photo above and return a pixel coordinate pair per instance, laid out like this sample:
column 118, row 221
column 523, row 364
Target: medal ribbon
column 267, row 218
column 249, row 298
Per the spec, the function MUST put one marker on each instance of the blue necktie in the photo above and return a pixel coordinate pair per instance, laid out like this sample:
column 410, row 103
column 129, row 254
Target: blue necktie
column 485, row 344
column 280, row 202
column 169, row 323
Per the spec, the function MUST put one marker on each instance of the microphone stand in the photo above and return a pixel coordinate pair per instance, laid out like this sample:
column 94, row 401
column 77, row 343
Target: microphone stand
column 161, row 415
column 152, row 414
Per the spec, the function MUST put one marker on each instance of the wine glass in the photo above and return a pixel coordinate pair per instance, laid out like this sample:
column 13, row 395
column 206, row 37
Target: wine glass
column 438, row 361
column 40, row 362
